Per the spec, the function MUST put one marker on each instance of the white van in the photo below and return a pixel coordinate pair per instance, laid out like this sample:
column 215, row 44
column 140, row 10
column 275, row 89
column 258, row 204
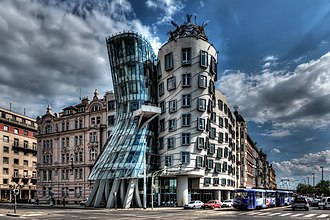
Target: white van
column 324, row 203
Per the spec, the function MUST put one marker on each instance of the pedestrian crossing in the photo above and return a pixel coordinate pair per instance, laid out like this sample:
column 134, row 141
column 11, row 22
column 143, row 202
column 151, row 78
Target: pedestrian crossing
column 284, row 214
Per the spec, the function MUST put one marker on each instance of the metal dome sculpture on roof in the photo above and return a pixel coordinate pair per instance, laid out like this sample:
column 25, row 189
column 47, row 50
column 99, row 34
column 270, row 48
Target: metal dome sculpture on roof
column 188, row 29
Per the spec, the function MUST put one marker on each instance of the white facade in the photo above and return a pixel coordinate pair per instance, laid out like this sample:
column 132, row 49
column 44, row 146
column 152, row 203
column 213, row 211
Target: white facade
column 196, row 126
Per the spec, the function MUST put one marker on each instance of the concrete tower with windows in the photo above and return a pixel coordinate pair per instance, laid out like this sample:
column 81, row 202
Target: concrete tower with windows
column 196, row 126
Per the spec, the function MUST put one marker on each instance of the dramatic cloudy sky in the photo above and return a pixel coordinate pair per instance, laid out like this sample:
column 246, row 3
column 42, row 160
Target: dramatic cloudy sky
column 274, row 63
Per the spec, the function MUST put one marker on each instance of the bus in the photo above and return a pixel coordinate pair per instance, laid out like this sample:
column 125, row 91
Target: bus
column 284, row 197
column 248, row 199
column 270, row 198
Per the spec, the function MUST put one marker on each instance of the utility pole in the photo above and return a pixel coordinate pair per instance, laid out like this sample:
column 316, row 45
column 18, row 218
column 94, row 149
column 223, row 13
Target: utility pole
column 322, row 172
column 313, row 179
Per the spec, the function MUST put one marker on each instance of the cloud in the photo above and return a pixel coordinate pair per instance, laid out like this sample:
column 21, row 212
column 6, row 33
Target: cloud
column 306, row 165
column 167, row 9
column 50, row 50
column 287, row 100
column 275, row 151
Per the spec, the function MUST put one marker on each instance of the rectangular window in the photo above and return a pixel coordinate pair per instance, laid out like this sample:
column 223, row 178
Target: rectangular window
column 5, row 128
column 207, row 181
column 201, row 104
column 217, row 168
column 15, row 130
column 199, row 161
column 213, row 66
column 226, row 122
column 185, row 138
column 202, row 81
column 226, row 152
column 186, row 101
column 162, row 107
column 172, row 106
column 111, row 120
column 211, row 149
column 211, row 87
column 169, row 61
column 213, row 133
column 220, row 104
column 220, row 122
column 224, row 167
column 162, row 124
column 172, row 124
column 185, row 120
column 5, row 139
column 214, row 117
column 186, row 80
column 169, row 160
column 226, row 138
column 161, row 143
column 171, row 83
column 26, row 163
column 204, row 58
column 171, row 143
column 161, row 89
column 201, row 124
column 219, row 153
column 200, row 143
column 209, row 163
column 220, row 139
column 185, row 157
column 5, row 171
column 216, row 181
column 186, row 56
column 6, row 149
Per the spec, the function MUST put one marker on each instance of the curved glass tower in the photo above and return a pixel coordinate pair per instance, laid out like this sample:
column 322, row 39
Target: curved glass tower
column 130, row 151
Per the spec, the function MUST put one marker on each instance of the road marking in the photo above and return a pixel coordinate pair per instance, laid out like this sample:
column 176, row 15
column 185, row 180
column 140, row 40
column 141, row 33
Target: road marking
column 309, row 215
column 263, row 213
column 252, row 213
column 286, row 214
column 276, row 213
column 323, row 216
column 296, row 215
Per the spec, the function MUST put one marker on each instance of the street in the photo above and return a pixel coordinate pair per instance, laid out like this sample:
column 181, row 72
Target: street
column 35, row 213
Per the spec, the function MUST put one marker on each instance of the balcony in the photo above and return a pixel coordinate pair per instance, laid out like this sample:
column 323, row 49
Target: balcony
column 22, row 148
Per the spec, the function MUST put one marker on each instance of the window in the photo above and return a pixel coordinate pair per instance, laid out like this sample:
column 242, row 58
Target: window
column 171, row 143
column 199, row 161
column 213, row 66
column 98, row 120
column 16, row 131
column 224, row 167
column 161, row 143
column 220, row 122
column 225, row 108
column 185, row 157
column 204, row 58
column 5, row 139
column 200, row 143
column 25, row 144
column 186, row 80
column 207, row 181
column 220, row 104
column 96, row 108
column 16, row 161
column 213, row 117
column 172, row 106
column 111, row 120
column 171, row 83
column 186, row 101
column 92, row 154
column 202, row 81
column 93, row 121
column 26, row 163
column 172, row 124
column 162, row 124
column 211, row 87
column 5, row 128
column 161, row 89
column 226, row 137
column 216, row 181
column 186, row 56
column 220, row 139
column 5, row 171
column 209, row 163
column 201, row 124
column 219, row 153
column 185, row 120
column 6, row 149
column 5, row 181
column 211, row 149
column 213, row 133
column 168, row 160
column 185, row 138
column 201, row 104
column 169, row 61
column 217, row 168
column 92, row 137
column 226, row 152
column 162, row 107
column 111, row 105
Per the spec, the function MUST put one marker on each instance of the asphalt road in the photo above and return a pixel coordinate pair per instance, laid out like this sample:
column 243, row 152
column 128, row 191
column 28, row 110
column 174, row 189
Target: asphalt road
column 78, row 213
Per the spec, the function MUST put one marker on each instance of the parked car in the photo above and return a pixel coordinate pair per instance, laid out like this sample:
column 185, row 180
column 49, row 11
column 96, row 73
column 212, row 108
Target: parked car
column 324, row 203
column 194, row 204
column 83, row 202
column 212, row 204
column 227, row 203
column 315, row 202
column 300, row 203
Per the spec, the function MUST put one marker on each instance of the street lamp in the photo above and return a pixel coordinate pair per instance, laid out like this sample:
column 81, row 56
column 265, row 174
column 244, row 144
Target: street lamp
column 321, row 172
column 313, row 179
column 308, row 180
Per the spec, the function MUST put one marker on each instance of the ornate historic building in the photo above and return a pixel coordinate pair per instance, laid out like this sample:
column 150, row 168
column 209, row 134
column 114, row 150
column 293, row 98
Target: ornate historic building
column 69, row 143
column 18, row 147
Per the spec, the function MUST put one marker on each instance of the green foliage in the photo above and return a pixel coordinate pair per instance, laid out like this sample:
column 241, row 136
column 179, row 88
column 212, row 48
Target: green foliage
column 322, row 188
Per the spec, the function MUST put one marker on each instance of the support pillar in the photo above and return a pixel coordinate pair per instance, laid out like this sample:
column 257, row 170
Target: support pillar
column 217, row 195
column 182, row 190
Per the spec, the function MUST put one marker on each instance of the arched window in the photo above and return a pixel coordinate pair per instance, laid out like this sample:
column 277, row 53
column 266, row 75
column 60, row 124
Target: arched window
column 96, row 108
column 48, row 129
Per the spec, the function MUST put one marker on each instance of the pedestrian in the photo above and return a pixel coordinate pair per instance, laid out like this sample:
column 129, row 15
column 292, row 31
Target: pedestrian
column 63, row 202
column 37, row 201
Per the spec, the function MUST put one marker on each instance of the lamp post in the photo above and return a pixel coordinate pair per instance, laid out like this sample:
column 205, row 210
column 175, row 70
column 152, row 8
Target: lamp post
column 313, row 179
column 321, row 172
column 308, row 180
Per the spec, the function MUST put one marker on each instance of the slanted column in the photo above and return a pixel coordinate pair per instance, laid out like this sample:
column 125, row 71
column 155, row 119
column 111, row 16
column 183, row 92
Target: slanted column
column 182, row 190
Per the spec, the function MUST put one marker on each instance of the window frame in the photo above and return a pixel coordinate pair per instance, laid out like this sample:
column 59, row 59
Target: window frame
column 168, row 64
column 186, row 56
column 204, row 55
